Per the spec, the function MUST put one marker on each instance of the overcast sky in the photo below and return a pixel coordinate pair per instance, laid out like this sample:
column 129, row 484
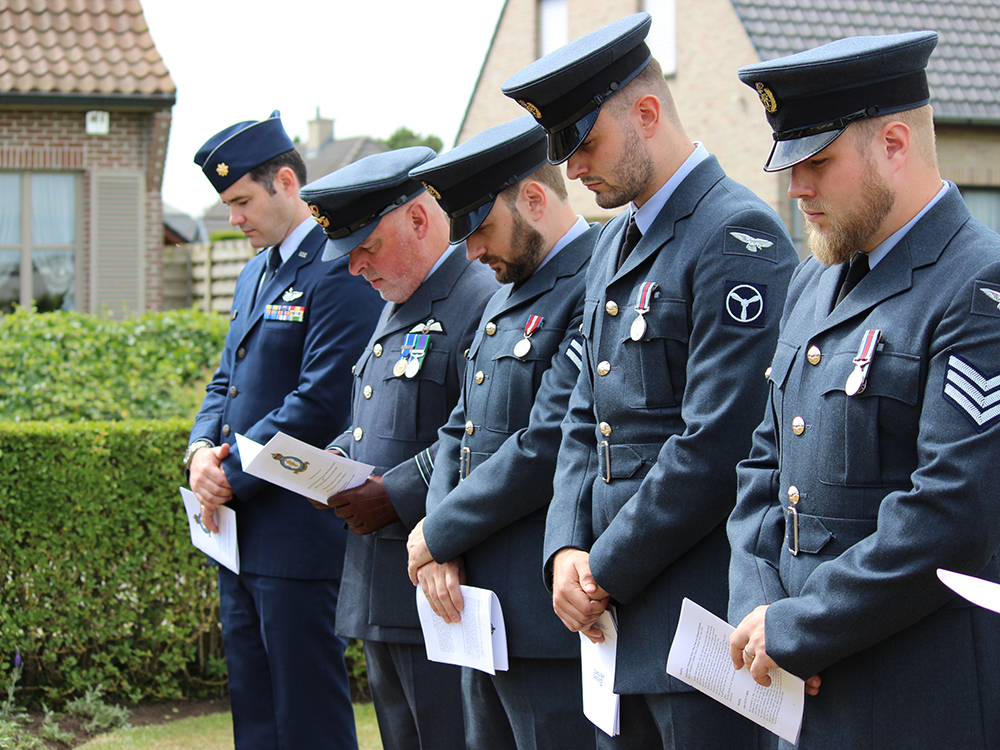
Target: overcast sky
column 371, row 66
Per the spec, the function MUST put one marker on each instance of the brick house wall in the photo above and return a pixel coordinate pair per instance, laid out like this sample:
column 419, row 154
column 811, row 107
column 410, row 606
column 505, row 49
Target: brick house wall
column 711, row 45
column 41, row 139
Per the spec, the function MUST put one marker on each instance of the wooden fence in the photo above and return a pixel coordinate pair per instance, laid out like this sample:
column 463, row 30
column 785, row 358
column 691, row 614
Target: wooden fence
column 204, row 274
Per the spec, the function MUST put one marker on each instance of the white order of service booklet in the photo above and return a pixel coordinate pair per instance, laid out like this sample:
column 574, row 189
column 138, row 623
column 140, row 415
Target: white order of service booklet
column 985, row 594
column 221, row 547
column 297, row 466
column 699, row 656
column 479, row 640
column 597, row 665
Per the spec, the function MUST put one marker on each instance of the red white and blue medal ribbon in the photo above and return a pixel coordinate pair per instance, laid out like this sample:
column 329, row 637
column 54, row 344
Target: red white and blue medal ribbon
column 869, row 344
column 642, row 307
column 522, row 347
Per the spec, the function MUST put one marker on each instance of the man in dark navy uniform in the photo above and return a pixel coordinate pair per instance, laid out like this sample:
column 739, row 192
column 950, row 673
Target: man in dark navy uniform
column 406, row 382
column 493, row 477
column 296, row 327
column 683, row 298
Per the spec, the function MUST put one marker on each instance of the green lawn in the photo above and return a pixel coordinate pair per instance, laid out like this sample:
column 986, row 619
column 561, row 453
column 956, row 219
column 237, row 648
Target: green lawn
column 212, row 732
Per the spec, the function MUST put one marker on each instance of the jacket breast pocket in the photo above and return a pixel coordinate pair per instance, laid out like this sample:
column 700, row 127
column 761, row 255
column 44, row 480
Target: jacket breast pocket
column 868, row 439
column 406, row 402
column 514, row 380
column 655, row 366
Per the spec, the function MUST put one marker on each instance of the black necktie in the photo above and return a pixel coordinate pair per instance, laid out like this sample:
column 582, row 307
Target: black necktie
column 857, row 270
column 273, row 263
column 632, row 237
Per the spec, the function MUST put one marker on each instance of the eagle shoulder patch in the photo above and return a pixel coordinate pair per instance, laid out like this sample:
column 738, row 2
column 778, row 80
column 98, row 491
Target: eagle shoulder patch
column 751, row 242
column 972, row 392
column 986, row 299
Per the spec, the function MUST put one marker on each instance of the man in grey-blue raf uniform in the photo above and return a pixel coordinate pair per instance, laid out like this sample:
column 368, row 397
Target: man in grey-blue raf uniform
column 684, row 293
column 394, row 234
column 492, row 480
column 876, row 462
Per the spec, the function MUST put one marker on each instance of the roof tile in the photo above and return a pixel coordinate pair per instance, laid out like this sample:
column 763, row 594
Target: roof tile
column 79, row 46
column 962, row 71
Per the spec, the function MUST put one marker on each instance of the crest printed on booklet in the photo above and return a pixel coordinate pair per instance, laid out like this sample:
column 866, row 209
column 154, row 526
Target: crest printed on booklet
column 744, row 302
column 751, row 242
column 972, row 392
column 986, row 299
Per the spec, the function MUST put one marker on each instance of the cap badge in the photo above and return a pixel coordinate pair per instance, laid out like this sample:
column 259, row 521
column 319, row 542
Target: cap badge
column 766, row 98
column 433, row 191
column 535, row 111
column 320, row 219
column 222, row 169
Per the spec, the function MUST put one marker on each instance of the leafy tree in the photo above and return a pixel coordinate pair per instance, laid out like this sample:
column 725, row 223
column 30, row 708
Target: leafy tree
column 404, row 137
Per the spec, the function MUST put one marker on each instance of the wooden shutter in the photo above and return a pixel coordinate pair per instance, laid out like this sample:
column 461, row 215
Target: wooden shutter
column 117, row 241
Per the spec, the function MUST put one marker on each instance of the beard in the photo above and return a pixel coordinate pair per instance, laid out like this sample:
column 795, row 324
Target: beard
column 630, row 175
column 856, row 226
column 527, row 246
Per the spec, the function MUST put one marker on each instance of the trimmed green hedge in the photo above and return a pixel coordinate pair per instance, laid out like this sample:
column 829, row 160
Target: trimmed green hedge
column 100, row 583
column 70, row 365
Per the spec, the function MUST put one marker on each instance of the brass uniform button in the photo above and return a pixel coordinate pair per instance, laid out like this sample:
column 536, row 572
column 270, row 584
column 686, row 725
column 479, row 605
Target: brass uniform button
column 358, row 433
column 480, row 377
column 367, row 391
column 353, row 368
column 798, row 425
column 466, row 353
column 793, row 494
column 603, row 368
column 225, row 429
column 814, row 355
column 605, row 429
column 241, row 352
column 491, row 328
column 469, row 427
column 767, row 373
column 377, row 349
column 611, row 307
column 233, row 390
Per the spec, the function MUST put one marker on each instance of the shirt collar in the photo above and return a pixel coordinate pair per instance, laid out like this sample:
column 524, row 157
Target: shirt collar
column 578, row 228
column 291, row 243
column 439, row 261
column 644, row 216
column 883, row 248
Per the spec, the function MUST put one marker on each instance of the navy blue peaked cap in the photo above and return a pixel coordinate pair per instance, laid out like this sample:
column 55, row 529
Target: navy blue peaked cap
column 350, row 202
column 467, row 180
column 812, row 97
column 231, row 153
column 565, row 89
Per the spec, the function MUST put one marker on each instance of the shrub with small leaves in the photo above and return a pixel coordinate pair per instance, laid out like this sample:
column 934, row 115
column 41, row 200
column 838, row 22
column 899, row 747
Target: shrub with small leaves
column 74, row 366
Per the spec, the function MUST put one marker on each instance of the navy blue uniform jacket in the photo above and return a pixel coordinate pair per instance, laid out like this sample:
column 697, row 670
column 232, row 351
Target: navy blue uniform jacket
column 294, row 377
column 666, row 419
column 398, row 418
column 508, row 418
column 892, row 483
